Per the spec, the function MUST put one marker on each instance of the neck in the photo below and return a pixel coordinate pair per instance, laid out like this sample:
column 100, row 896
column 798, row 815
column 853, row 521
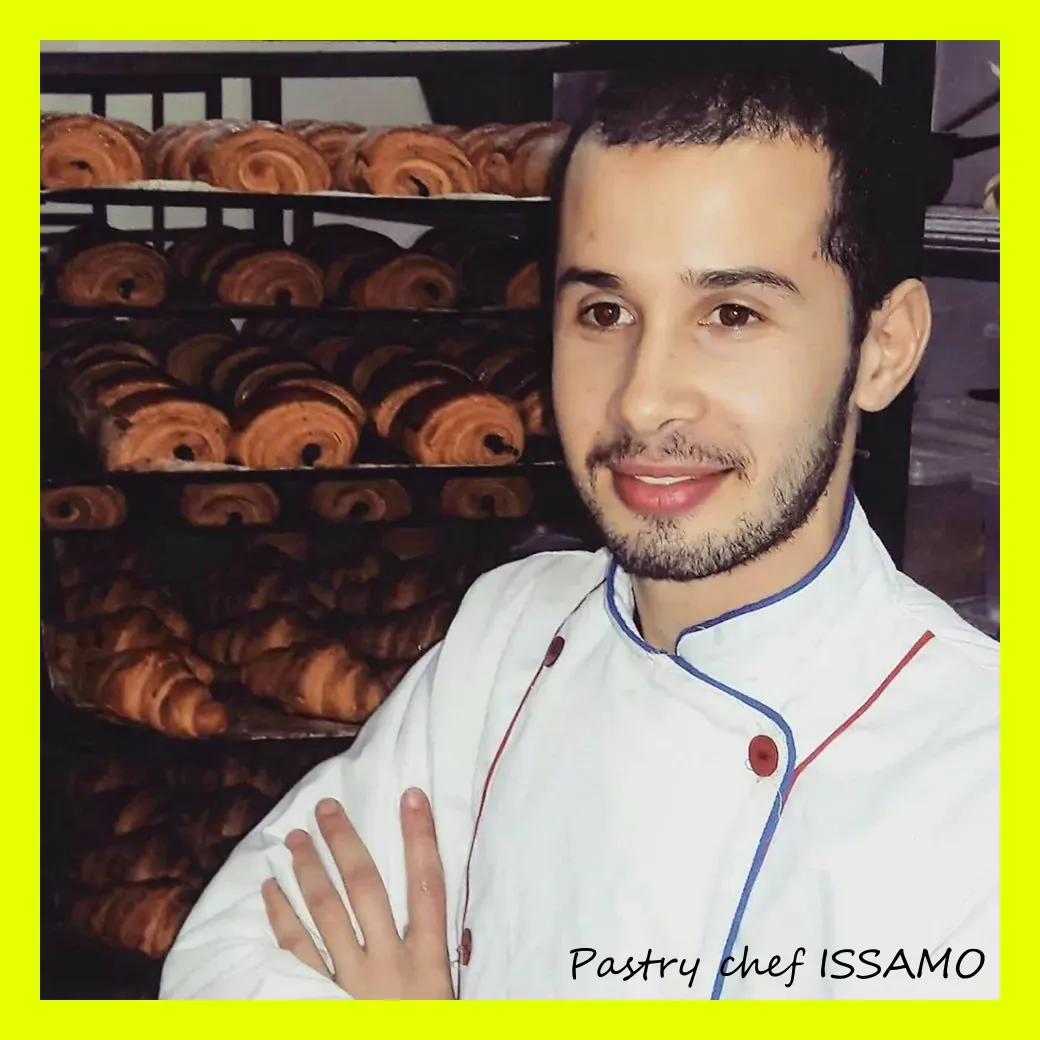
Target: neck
column 667, row 608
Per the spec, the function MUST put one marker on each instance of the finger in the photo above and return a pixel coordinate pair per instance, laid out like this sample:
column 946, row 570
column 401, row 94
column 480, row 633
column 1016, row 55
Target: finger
column 324, row 902
column 288, row 930
column 361, row 878
column 425, row 874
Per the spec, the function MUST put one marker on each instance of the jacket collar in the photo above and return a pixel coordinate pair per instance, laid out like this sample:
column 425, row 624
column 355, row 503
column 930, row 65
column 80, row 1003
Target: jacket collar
column 776, row 652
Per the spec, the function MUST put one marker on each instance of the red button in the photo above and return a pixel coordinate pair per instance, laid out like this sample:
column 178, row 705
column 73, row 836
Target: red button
column 763, row 755
column 554, row 651
column 465, row 946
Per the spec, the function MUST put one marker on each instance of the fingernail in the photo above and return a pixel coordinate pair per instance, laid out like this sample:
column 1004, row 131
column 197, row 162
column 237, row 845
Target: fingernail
column 296, row 839
column 327, row 807
column 414, row 798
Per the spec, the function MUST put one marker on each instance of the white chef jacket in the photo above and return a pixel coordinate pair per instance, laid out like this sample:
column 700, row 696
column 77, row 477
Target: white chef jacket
column 800, row 802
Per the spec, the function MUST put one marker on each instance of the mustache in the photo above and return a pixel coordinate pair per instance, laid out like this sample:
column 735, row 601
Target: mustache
column 675, row 449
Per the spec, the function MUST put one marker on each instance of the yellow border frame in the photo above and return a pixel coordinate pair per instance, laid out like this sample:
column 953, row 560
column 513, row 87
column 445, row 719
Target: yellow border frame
column 21, row 602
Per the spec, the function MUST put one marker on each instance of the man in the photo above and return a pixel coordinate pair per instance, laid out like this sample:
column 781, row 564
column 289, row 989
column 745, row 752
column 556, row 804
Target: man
column 737, row 754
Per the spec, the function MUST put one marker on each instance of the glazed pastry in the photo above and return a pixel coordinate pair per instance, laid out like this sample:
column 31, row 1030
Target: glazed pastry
column 330, row 139
column 453, row 425
column 406, row 635
column 87, row 151
column 291, row 425
column 534, row 160
column 172, row 150
column 407, row 162
column 242, row 371
column 502, row 166
column 278, row 625
column 191, row 255
column 82, row 508
column 323, row 680
column 142, row 855
column 405, row 281
column 145, row 917
column 217, row 505
column 479, row 143
column 355, row 500
column 478, row 497
column 185, row 346
column 268, row 278
column 261, row 157
column 158, row 429
column 155, row 687
column 127, row 273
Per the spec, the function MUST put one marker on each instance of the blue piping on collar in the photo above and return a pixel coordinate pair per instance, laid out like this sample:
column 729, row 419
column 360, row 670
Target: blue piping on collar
column 777, row 719
column 776, row 597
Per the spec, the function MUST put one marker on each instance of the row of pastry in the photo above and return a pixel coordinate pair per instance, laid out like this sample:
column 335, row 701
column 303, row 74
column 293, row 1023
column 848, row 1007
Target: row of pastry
column 280, row 399
column 325, row 642
column 336, row 264
column 97, row 507
column 143, row 840
column 303, row 156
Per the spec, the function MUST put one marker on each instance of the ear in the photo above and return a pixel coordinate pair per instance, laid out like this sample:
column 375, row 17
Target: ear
column 894, row 345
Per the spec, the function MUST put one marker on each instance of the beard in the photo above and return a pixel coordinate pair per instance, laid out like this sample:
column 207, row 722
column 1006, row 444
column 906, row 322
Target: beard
column 662, row 551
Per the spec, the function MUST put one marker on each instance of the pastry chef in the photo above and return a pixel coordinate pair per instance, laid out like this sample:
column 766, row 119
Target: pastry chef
column 735, row 754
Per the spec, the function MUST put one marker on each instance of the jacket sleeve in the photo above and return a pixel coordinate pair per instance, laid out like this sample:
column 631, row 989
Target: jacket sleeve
column 226, row 949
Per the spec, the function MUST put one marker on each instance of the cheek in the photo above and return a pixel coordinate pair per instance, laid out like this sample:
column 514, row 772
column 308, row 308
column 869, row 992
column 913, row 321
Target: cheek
column 581, row 394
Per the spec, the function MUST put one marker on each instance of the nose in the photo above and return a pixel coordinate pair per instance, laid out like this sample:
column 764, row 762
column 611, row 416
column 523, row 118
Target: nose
column 659, row 386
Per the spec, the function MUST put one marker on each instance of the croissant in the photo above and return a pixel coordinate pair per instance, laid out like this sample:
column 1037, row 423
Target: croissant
column 145, row 917
column 392, row 672
column 141, row 810
column 478, row 497
column 82, row 508
column 293, row 545
column 126, row 273
column 272, row 627
column 135, row 628
column 330, row 139
column 141, row 855
column 261, row 157
column 323, row 680
column 218, row 505
column 341, row 584
column 407, row 162
column 230, row 813
column 259, row 590
column 419, row 585
column 158, row 429
column 232, row 772
column 120, row 590
column 354, row 500
column 404, row 281
column 289, row 426
column 406, row 635
column 155, row 687
column 87, row 151
column 97, row 775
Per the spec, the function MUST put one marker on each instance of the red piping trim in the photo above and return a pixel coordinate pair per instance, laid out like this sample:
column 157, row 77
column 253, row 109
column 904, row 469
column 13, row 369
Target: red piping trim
column 907, row 658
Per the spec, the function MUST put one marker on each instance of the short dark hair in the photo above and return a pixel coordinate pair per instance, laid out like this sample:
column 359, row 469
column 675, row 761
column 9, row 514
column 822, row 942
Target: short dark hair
column 770, row 90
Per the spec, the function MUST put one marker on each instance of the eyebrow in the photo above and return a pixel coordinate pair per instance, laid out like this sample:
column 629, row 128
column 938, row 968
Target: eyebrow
column 587, row 276
column 731, row 278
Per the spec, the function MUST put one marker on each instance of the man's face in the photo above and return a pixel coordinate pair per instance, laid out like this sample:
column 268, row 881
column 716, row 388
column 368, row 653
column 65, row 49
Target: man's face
column 702, row 364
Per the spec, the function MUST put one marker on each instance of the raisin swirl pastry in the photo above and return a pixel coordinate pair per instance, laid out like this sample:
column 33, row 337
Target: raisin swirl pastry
column 261, row 157
column 479, row 497
column 88, row 151
column 330, row 139
column 82, row 508
column 406, row 161
column 401, row 280
column 92, row 272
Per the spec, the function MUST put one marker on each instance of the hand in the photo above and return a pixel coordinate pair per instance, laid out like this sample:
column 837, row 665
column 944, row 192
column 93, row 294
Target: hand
column 386, row 966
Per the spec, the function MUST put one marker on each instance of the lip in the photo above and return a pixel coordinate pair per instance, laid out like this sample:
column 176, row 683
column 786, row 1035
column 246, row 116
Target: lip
column 692, row 489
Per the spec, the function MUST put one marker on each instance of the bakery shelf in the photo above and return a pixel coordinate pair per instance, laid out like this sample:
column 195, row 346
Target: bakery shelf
column 52, row 308
column 471, row 210
column 962, row 229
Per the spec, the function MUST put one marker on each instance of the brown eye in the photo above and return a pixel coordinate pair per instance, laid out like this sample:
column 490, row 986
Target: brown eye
column 605, row 315
column 734, row 316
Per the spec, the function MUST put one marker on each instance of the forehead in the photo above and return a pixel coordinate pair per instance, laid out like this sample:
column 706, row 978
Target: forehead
column 745, row 202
